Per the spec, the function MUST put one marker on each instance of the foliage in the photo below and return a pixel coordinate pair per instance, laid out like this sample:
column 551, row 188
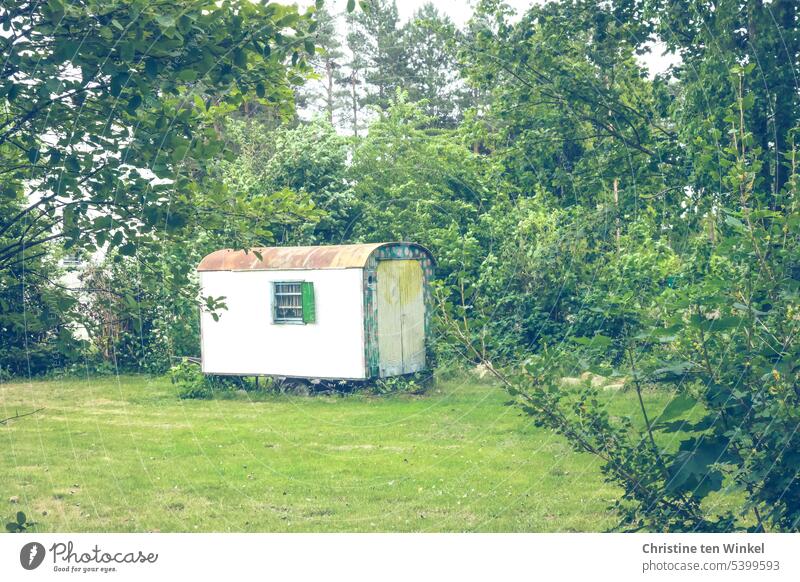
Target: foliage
column 36, row 319
column 110, row 114
column 417, row 383
column 20, row 524
column 126, row 91
column 420, row 185
column 194, row 385
column 711, row 40
column 686, row 279
column 305, row 164
column 190, row 380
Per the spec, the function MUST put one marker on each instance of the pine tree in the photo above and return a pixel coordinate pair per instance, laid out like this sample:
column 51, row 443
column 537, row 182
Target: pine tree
column 377, row 26
column 352, row 78
column 328, row 62
column 431, row 43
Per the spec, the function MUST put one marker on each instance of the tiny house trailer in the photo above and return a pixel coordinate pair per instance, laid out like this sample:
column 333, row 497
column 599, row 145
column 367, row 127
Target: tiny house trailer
column 340, row 312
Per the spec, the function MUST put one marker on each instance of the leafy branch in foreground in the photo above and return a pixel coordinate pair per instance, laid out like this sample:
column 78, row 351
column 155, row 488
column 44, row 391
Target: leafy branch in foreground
column 723, row 336
column 108, row 109
column 629, row 458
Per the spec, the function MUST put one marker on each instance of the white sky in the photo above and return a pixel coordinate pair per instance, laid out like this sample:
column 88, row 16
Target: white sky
column 458, row 10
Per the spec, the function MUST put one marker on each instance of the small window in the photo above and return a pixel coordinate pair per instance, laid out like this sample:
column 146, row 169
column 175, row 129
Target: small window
column 293, row 302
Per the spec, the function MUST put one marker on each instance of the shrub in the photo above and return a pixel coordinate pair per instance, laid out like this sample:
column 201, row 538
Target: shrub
column 193, row 384
column 409, row 384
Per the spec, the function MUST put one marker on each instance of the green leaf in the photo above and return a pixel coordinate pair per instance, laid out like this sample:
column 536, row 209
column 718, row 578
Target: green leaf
column 734, row 222
column 187, row 75
column 676, row 407
column 598, row 341
column 130, row 301
column 133, row 103
column 21, row 518
column 661, row 334
column 128, row 249
column 8, row 192
column 184, row 23
column 715, row 325
column 260, row 90
column 676, row 369
column 351, row 5
column 179, row 153
column 117, row 82
column 151, row 68
column 691, row 470
column 72, row 164
column 743, row 307
column 165, row 20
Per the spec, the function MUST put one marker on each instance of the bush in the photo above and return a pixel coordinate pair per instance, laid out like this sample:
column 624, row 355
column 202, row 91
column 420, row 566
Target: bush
column 416, row 383
column 193, row 384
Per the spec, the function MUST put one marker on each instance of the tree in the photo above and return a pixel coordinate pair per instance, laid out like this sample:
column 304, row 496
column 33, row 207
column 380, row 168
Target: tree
column 328, row 64
column 106, row 104
column 37, row 315
column 352, row 81
column 711, row 39
column 690, row 286
column 110, row 117
column 379, row 43
column 570, row 107
column 431, row 43
column 305, row 164
column 414, row 183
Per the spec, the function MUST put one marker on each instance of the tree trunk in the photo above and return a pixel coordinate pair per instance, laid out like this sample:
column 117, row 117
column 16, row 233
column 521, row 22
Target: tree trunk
column 354, row 96
column 329, row 73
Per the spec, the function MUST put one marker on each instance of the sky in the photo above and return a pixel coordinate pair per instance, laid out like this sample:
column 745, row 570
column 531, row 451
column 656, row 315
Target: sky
column 458, row 10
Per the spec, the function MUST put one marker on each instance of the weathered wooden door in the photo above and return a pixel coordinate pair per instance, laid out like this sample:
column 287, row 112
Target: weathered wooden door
column 401, row 317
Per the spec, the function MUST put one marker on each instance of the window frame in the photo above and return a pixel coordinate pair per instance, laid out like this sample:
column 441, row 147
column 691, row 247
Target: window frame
column 287, row 321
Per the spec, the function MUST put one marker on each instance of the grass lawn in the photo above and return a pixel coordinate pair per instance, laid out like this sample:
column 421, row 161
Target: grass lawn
column 125, row 454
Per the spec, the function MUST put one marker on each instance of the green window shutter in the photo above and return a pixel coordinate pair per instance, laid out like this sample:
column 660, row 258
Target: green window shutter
column 309, row 307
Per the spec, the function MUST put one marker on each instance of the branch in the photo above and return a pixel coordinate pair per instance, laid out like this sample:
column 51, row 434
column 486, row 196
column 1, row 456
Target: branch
column 18, row 415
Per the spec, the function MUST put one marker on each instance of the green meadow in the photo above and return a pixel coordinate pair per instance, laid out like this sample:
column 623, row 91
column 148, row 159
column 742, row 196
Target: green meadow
column 127, row 455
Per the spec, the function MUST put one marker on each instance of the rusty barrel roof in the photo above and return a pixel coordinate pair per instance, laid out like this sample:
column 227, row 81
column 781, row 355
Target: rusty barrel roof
column 284, row 258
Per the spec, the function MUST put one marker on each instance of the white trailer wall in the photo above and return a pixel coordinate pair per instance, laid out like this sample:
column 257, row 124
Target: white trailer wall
column 245, row 341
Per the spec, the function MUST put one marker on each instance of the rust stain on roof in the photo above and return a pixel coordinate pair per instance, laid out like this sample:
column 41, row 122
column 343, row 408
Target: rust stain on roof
column 280, row 258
